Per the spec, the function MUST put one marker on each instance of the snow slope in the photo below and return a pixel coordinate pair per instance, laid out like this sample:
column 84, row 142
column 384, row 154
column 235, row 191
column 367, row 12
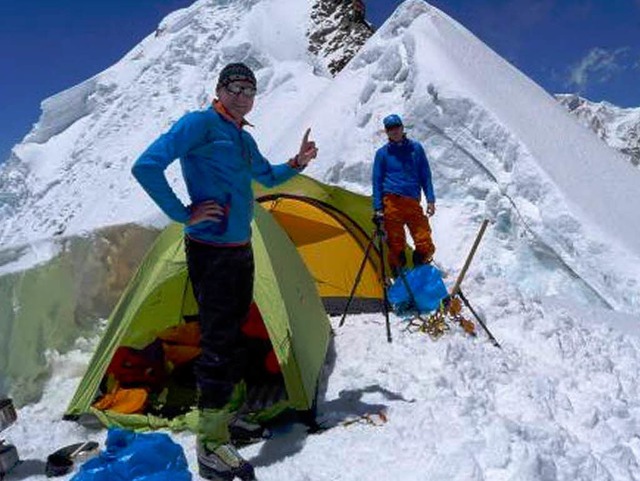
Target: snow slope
column 71, row 174
column 500, row 147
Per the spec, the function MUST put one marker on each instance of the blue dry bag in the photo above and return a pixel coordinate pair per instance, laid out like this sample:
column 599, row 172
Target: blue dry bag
column 133, row 456
column 425, row 282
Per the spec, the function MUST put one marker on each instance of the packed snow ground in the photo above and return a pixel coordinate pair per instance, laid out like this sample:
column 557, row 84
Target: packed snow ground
column 558, row 402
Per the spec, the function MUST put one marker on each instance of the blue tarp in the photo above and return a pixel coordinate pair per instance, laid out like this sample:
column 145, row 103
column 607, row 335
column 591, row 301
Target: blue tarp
column 427, row 286
column 131, row 456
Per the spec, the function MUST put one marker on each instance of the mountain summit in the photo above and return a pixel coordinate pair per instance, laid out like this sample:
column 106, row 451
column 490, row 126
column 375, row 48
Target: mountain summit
column 500, row 146
column 338, row 30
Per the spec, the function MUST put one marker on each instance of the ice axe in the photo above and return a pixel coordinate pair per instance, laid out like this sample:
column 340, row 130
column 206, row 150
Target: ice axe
column 457, row 291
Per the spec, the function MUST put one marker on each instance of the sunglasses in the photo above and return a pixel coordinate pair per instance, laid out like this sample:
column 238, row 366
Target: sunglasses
column 235, row 89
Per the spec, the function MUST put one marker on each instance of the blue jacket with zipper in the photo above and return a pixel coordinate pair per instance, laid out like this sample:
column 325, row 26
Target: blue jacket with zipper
column 219, row 161
column 401, row 168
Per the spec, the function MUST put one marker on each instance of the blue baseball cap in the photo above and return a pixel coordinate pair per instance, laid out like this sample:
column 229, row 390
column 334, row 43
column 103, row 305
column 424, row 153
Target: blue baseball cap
column 392, row 120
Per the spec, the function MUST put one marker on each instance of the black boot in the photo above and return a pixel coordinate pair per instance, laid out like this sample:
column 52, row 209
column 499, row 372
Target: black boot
column 420, row 259
column 245, row 432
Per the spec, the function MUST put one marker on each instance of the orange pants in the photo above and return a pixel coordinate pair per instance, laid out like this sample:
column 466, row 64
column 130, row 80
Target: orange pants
column 398, row 212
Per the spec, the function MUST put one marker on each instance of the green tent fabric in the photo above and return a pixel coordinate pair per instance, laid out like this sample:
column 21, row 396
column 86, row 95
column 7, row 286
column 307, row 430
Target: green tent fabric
column 160, row 295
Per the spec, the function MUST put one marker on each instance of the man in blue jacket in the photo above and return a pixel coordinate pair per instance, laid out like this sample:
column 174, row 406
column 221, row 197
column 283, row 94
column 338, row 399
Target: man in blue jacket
column 401, row 173
column 219, row 159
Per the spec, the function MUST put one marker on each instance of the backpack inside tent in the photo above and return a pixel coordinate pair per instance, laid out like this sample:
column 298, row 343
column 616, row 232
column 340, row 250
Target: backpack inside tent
column 309, row 241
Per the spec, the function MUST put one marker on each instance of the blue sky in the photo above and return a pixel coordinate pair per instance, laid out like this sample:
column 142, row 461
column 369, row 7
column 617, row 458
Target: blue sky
column 586, row 46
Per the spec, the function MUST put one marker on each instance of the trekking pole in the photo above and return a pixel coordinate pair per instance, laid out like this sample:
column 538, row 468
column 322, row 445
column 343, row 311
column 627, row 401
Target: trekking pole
column 480, row 321
column 358, row 276
column 379, row 233
column 385, row 301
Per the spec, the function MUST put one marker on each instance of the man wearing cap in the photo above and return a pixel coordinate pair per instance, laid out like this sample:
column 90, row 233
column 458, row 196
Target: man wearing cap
column 400, row 173
column 219, row 159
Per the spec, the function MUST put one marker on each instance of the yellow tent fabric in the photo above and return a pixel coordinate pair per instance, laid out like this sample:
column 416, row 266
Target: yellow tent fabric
column 332, row 247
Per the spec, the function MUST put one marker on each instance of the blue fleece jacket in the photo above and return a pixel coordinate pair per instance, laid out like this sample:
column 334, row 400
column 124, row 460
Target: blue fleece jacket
column 401, row 168
column 218, row 161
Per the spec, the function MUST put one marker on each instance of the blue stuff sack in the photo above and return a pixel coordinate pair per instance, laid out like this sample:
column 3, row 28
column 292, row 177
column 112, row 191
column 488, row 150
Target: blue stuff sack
column 131, row 456
column 427, row 287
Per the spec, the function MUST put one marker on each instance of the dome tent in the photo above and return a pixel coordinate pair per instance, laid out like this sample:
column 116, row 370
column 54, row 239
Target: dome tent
column 304, row 245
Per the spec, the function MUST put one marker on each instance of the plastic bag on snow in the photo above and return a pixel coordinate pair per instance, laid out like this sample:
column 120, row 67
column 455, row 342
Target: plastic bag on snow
column 427, row 287
column 131, row 456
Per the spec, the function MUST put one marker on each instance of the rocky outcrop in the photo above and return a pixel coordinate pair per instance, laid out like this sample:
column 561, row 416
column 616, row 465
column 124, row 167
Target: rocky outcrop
column 337, row 31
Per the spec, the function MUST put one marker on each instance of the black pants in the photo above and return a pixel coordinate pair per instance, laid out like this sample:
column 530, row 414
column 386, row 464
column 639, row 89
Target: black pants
column 222, row 280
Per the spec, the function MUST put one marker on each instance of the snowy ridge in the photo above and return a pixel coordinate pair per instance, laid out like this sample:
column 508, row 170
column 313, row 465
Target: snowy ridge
column 63, row 110
column 500, row 147
column 618, row 127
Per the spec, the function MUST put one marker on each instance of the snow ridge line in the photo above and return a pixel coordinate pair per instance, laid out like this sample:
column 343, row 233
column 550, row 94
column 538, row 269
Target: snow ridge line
column 527, row 228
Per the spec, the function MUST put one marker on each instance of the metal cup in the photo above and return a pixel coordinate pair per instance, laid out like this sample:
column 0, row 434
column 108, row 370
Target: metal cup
column 8, row 414
column 8, row 458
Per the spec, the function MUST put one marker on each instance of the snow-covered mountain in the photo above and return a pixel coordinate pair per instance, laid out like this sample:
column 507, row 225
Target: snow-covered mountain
column 500, row 146
column 70, row 177
column 618, row 127
column 557, row 276
column 72, row 171
column 523, row 161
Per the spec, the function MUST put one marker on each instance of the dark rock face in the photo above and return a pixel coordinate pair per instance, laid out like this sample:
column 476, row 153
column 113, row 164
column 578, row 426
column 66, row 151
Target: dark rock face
column 337, row 31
